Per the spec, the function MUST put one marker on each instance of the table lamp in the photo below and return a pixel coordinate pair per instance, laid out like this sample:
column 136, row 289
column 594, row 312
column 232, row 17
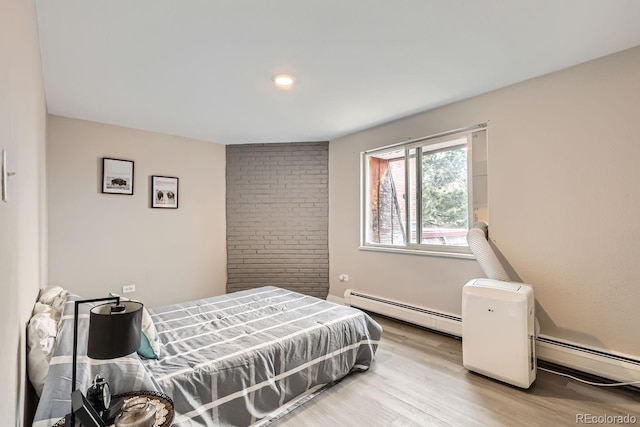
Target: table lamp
column 114, row 331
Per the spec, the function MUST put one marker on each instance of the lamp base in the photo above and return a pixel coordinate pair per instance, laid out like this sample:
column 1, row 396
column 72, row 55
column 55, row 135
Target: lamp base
column 108, row 417
column 84, row 411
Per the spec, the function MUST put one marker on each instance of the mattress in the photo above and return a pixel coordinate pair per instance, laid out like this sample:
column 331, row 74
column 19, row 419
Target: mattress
column 245, row 358
column 236, row 358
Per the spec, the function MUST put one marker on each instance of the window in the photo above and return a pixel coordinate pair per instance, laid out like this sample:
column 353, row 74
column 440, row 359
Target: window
column 425, row 194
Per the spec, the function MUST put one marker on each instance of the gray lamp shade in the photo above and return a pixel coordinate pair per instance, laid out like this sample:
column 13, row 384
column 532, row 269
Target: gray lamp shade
column 114, row 333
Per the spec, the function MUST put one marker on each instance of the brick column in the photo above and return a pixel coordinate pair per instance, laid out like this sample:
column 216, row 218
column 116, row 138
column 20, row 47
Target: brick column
column 277, row 216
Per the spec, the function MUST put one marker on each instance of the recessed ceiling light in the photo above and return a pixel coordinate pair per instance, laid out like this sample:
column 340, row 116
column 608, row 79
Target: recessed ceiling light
column 283, row 81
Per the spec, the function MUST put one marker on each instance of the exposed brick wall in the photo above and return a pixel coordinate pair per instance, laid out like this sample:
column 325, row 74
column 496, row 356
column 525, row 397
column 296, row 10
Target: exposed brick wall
column 277, row 217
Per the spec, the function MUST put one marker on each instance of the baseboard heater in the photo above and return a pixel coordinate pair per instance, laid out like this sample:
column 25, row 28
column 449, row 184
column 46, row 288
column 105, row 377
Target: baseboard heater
column 442, row 322
column 614, row 366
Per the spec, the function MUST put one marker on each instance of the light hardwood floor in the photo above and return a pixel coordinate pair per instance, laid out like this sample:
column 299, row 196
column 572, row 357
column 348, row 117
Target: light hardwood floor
column 418, row 379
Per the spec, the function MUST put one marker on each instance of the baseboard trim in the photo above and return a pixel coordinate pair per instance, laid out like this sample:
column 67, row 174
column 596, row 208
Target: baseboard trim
column 612, row 365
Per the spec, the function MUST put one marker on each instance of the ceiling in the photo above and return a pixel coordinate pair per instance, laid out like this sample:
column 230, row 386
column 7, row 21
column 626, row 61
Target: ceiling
column 202, row 68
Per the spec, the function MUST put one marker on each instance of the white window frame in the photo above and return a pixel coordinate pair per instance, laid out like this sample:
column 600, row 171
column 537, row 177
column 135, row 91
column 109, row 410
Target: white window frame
column 445, row 140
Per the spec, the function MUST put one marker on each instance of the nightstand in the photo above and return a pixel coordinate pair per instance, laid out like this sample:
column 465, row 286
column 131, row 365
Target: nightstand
column 162, row 402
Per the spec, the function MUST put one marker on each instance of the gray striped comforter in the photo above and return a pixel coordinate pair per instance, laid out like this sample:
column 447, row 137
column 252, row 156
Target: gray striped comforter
column 243, row 359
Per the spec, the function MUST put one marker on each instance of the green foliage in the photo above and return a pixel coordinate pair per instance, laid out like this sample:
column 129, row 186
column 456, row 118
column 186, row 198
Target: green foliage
column 444, row 189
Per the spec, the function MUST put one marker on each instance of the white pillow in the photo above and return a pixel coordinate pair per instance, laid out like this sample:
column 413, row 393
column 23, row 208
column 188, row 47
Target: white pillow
column 50, row 293
column 41, row 337
column 55, row 296
column 59, row 302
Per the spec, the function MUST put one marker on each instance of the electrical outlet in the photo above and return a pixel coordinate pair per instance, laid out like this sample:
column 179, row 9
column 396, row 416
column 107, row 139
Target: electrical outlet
column 128, row 288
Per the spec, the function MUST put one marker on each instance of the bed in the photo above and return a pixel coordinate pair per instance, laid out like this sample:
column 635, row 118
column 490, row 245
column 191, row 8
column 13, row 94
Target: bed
column 240, row 359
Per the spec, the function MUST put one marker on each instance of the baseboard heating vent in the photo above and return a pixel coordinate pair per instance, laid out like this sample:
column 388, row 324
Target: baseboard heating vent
column 606, row 364
column 439, row 321
column 597, row 353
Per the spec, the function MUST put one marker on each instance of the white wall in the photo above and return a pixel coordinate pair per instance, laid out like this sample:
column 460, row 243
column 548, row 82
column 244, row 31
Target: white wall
column 564, row 202
column 22, row 225
column 100, row 242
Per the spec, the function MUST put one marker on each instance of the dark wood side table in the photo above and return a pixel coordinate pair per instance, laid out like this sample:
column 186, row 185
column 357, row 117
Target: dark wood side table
column 162, row 402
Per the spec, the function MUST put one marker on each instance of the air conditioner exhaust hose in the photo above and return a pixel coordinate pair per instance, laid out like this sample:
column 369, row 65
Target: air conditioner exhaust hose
column 477, row 237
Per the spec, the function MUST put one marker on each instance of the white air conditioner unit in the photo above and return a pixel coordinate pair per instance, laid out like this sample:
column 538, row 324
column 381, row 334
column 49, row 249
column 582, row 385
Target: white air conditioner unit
column 498, row 330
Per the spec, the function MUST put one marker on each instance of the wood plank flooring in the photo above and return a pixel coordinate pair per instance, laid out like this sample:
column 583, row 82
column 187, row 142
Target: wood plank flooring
column 418, row 379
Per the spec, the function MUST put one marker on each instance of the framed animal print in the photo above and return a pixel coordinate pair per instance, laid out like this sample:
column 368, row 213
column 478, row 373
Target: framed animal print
column 164, row 192
column 117, row 176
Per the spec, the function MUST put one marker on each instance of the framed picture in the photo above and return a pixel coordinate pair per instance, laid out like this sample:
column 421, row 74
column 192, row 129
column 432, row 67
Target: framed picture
column 164, row 192
column 117, row 176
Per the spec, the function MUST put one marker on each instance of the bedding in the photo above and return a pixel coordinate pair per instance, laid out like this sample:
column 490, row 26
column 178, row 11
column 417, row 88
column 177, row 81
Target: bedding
column 42, row 330
column 239, row 359
column 55, row 296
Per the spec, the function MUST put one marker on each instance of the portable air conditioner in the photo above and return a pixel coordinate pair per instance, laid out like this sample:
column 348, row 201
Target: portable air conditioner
column 498, row 323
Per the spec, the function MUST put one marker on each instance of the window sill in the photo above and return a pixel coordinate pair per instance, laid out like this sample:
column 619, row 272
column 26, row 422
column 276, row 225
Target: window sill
column 422, row 252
